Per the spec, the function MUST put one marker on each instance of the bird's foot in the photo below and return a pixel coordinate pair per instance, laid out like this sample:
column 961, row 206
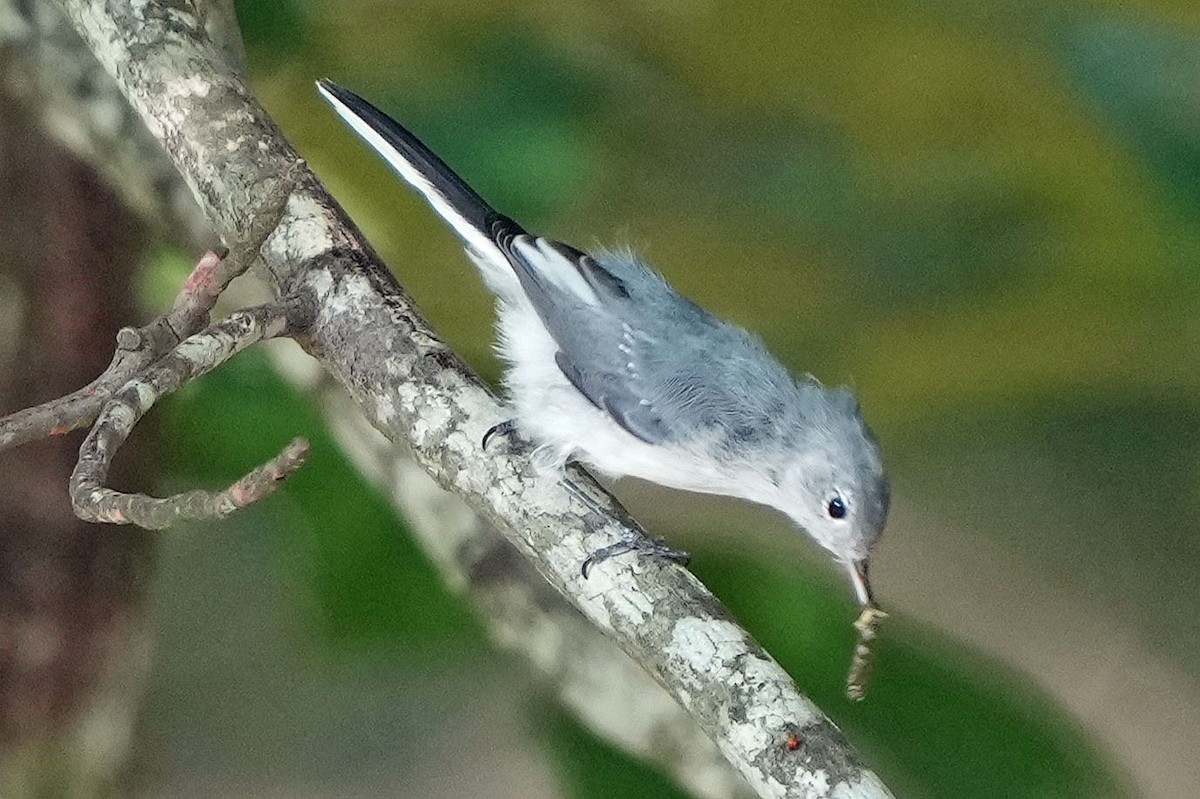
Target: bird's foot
column 641, row 545
column 637, row 543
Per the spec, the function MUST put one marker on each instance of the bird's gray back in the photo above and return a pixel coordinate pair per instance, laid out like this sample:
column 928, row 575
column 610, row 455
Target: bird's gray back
column 658, row 363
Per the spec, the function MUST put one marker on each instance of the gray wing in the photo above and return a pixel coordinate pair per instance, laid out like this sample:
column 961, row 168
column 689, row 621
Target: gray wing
column 658, row 364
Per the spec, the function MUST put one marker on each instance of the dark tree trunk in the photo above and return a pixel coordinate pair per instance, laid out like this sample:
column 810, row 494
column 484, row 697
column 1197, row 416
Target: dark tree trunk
column 72, row 639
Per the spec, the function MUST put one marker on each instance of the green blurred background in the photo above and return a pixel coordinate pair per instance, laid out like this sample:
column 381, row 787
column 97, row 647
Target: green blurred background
column 984, row 215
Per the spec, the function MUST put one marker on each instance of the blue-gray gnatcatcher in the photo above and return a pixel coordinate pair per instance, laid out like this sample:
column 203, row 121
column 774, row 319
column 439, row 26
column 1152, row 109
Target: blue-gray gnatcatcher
column 608, row 365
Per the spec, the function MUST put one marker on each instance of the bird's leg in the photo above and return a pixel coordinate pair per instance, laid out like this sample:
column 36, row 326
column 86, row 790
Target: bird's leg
column 548, row 462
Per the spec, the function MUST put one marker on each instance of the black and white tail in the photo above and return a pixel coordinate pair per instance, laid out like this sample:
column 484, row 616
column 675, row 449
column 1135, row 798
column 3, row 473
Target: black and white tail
column 506, row 255
column 464, row 210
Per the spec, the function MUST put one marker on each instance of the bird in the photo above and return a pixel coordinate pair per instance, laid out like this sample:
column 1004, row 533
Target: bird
column 609, row 366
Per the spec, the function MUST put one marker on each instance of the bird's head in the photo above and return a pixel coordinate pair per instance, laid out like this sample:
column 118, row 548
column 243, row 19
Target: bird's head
column 832, row 482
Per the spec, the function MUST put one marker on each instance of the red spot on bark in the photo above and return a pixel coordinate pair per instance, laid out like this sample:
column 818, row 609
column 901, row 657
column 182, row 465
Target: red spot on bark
column 240, row 494
column 59, row 430
column 201, row 278
column 793, row 743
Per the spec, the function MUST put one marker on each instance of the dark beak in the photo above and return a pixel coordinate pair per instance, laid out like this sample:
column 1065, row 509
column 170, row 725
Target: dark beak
column 862, row 583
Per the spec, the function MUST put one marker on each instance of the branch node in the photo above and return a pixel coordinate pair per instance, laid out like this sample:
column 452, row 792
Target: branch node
column 128, row 339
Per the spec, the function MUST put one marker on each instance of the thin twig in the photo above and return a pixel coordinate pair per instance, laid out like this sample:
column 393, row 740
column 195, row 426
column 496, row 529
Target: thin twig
column 192, row 358
column 136, row 349
column 152, row 513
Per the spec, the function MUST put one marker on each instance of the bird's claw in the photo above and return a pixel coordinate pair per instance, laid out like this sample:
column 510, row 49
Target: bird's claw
column 505, row 428
column 646, row 547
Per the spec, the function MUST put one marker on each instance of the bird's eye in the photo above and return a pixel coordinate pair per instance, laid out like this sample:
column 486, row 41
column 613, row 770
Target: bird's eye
column 836, row 508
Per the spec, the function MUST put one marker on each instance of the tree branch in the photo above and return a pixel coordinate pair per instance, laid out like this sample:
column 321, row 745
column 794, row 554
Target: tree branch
column 411, row 387
column 47, row 65
column 149, row 363
column 192, row 358
column 605, row 688
column 136, row 350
